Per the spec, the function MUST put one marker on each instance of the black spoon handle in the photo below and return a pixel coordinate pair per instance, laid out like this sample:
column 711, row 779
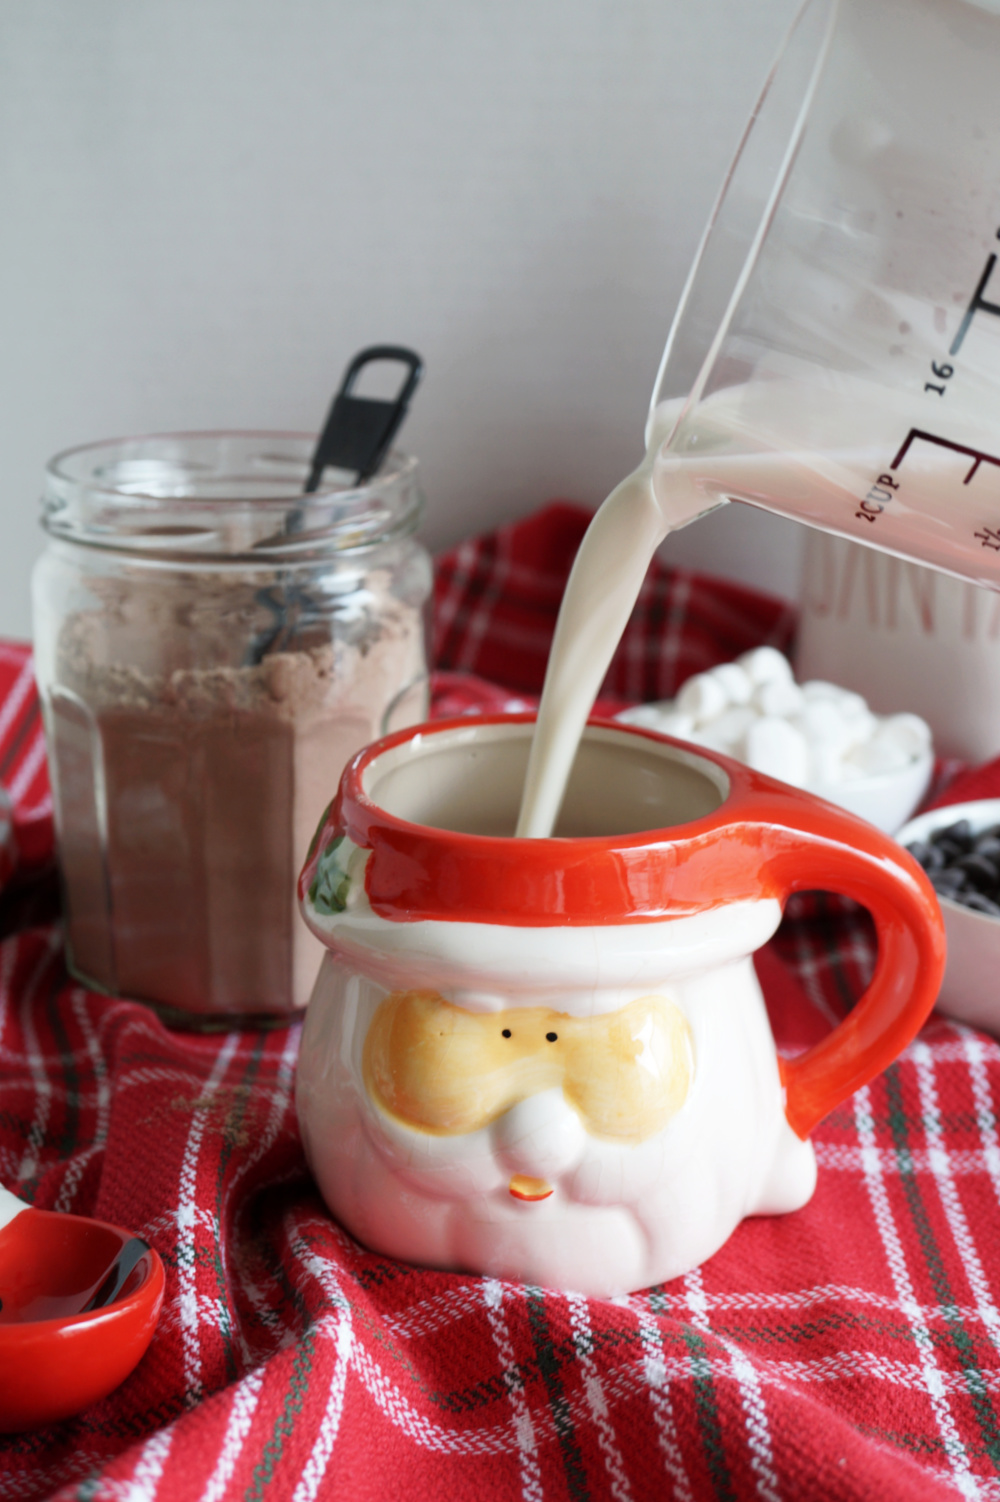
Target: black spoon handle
column 359, row 429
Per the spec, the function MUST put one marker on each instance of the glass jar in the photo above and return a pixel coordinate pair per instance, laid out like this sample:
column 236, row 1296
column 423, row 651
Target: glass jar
column 211, row 646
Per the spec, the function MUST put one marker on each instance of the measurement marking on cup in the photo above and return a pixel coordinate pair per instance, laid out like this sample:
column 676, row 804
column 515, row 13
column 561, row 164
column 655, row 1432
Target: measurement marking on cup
column 877, row 498
column 943, row 373
column 977, row 304
column 882, row 491
column 979, row 455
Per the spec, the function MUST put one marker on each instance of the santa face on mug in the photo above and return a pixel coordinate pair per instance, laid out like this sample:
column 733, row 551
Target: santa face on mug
column 527, row 1087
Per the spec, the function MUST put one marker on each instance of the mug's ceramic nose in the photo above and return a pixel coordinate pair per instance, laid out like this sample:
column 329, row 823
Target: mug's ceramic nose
column 537, row 1141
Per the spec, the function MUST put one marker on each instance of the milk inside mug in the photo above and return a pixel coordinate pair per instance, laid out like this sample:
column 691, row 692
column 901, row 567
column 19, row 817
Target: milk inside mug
column 835, row 356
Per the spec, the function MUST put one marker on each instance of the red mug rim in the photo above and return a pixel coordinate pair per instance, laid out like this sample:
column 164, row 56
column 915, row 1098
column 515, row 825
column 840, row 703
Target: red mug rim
column 421, row 872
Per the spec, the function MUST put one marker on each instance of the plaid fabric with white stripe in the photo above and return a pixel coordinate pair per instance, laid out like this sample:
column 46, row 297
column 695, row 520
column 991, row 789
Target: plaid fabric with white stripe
column 851, row 1350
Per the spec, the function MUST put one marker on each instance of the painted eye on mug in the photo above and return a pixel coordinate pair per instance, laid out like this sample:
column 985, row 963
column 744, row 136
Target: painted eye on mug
column 444, row 1070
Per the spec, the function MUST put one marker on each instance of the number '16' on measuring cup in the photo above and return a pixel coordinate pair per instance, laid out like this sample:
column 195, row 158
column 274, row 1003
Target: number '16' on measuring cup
column 836, row 353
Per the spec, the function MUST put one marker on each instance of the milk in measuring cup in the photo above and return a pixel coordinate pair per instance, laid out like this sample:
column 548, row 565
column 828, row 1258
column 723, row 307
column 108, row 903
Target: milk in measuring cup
column 848, row 455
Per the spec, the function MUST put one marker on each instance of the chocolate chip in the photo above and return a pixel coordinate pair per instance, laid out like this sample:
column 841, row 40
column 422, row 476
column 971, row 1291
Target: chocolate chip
column 956, row 839
column 962, row 866
column 927, row 855
column 982, row 872
column 947, row 883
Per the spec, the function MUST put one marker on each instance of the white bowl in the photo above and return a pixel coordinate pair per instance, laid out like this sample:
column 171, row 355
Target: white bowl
column 885, row 800
column 970, row 989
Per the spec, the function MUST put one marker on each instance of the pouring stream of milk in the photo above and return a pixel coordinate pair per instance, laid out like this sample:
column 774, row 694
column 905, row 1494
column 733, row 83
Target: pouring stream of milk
column 602, row 589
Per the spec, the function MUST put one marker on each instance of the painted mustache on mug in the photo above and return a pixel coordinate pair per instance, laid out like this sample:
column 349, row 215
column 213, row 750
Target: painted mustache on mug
column 443, row 1070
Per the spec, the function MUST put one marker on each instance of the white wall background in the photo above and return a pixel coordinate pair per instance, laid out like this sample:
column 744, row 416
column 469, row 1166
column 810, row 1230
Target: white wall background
column 206, row 206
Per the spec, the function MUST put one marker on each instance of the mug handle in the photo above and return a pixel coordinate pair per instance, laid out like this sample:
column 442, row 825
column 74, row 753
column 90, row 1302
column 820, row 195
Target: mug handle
column 829, row 850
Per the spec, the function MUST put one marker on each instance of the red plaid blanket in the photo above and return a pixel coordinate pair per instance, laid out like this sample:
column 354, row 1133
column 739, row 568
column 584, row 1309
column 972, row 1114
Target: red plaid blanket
column 851, row 1350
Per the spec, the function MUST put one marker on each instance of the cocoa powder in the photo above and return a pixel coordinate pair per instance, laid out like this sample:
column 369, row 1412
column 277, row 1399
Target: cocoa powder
column 192, row 765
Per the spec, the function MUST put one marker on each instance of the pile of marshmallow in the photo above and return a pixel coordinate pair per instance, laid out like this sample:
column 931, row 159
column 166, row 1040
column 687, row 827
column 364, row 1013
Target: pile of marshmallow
column 813, row 735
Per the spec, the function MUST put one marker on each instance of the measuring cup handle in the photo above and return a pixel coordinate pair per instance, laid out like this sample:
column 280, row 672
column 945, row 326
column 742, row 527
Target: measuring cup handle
column 845, row 855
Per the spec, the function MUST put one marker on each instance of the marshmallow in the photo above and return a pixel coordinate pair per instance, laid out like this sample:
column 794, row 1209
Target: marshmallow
column 737, row 685
column 815, row 735
column 647, row 716
column 661, row 716
column 852, row 706
column 704, row 735
column 731, row 728
column 826, row 766
column 823, row 724
column 817, row 689
column 777, row 748
column 674, row 723
column 881, row 754
column 780, row 697
column 859, row 728
column 702, row 697
column 910, row 731
column 765, row 665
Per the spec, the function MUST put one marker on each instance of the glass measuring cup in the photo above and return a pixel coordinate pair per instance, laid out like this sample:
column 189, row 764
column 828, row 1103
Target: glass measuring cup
column 835, row 356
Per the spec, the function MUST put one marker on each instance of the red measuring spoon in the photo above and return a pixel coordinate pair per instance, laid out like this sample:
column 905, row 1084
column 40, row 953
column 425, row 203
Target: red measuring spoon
column 80, row 1301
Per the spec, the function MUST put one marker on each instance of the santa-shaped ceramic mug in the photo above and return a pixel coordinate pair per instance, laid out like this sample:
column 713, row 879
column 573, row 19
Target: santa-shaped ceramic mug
column 549, row 1060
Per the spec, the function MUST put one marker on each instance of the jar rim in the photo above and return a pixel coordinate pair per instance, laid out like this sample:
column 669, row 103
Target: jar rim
column 224, row 493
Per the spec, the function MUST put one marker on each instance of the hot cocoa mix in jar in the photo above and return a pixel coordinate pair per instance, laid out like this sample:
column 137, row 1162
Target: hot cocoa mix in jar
column 211, row 646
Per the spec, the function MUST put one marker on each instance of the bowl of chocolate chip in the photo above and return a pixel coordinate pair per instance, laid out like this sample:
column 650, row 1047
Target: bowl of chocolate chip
column 959, row 848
